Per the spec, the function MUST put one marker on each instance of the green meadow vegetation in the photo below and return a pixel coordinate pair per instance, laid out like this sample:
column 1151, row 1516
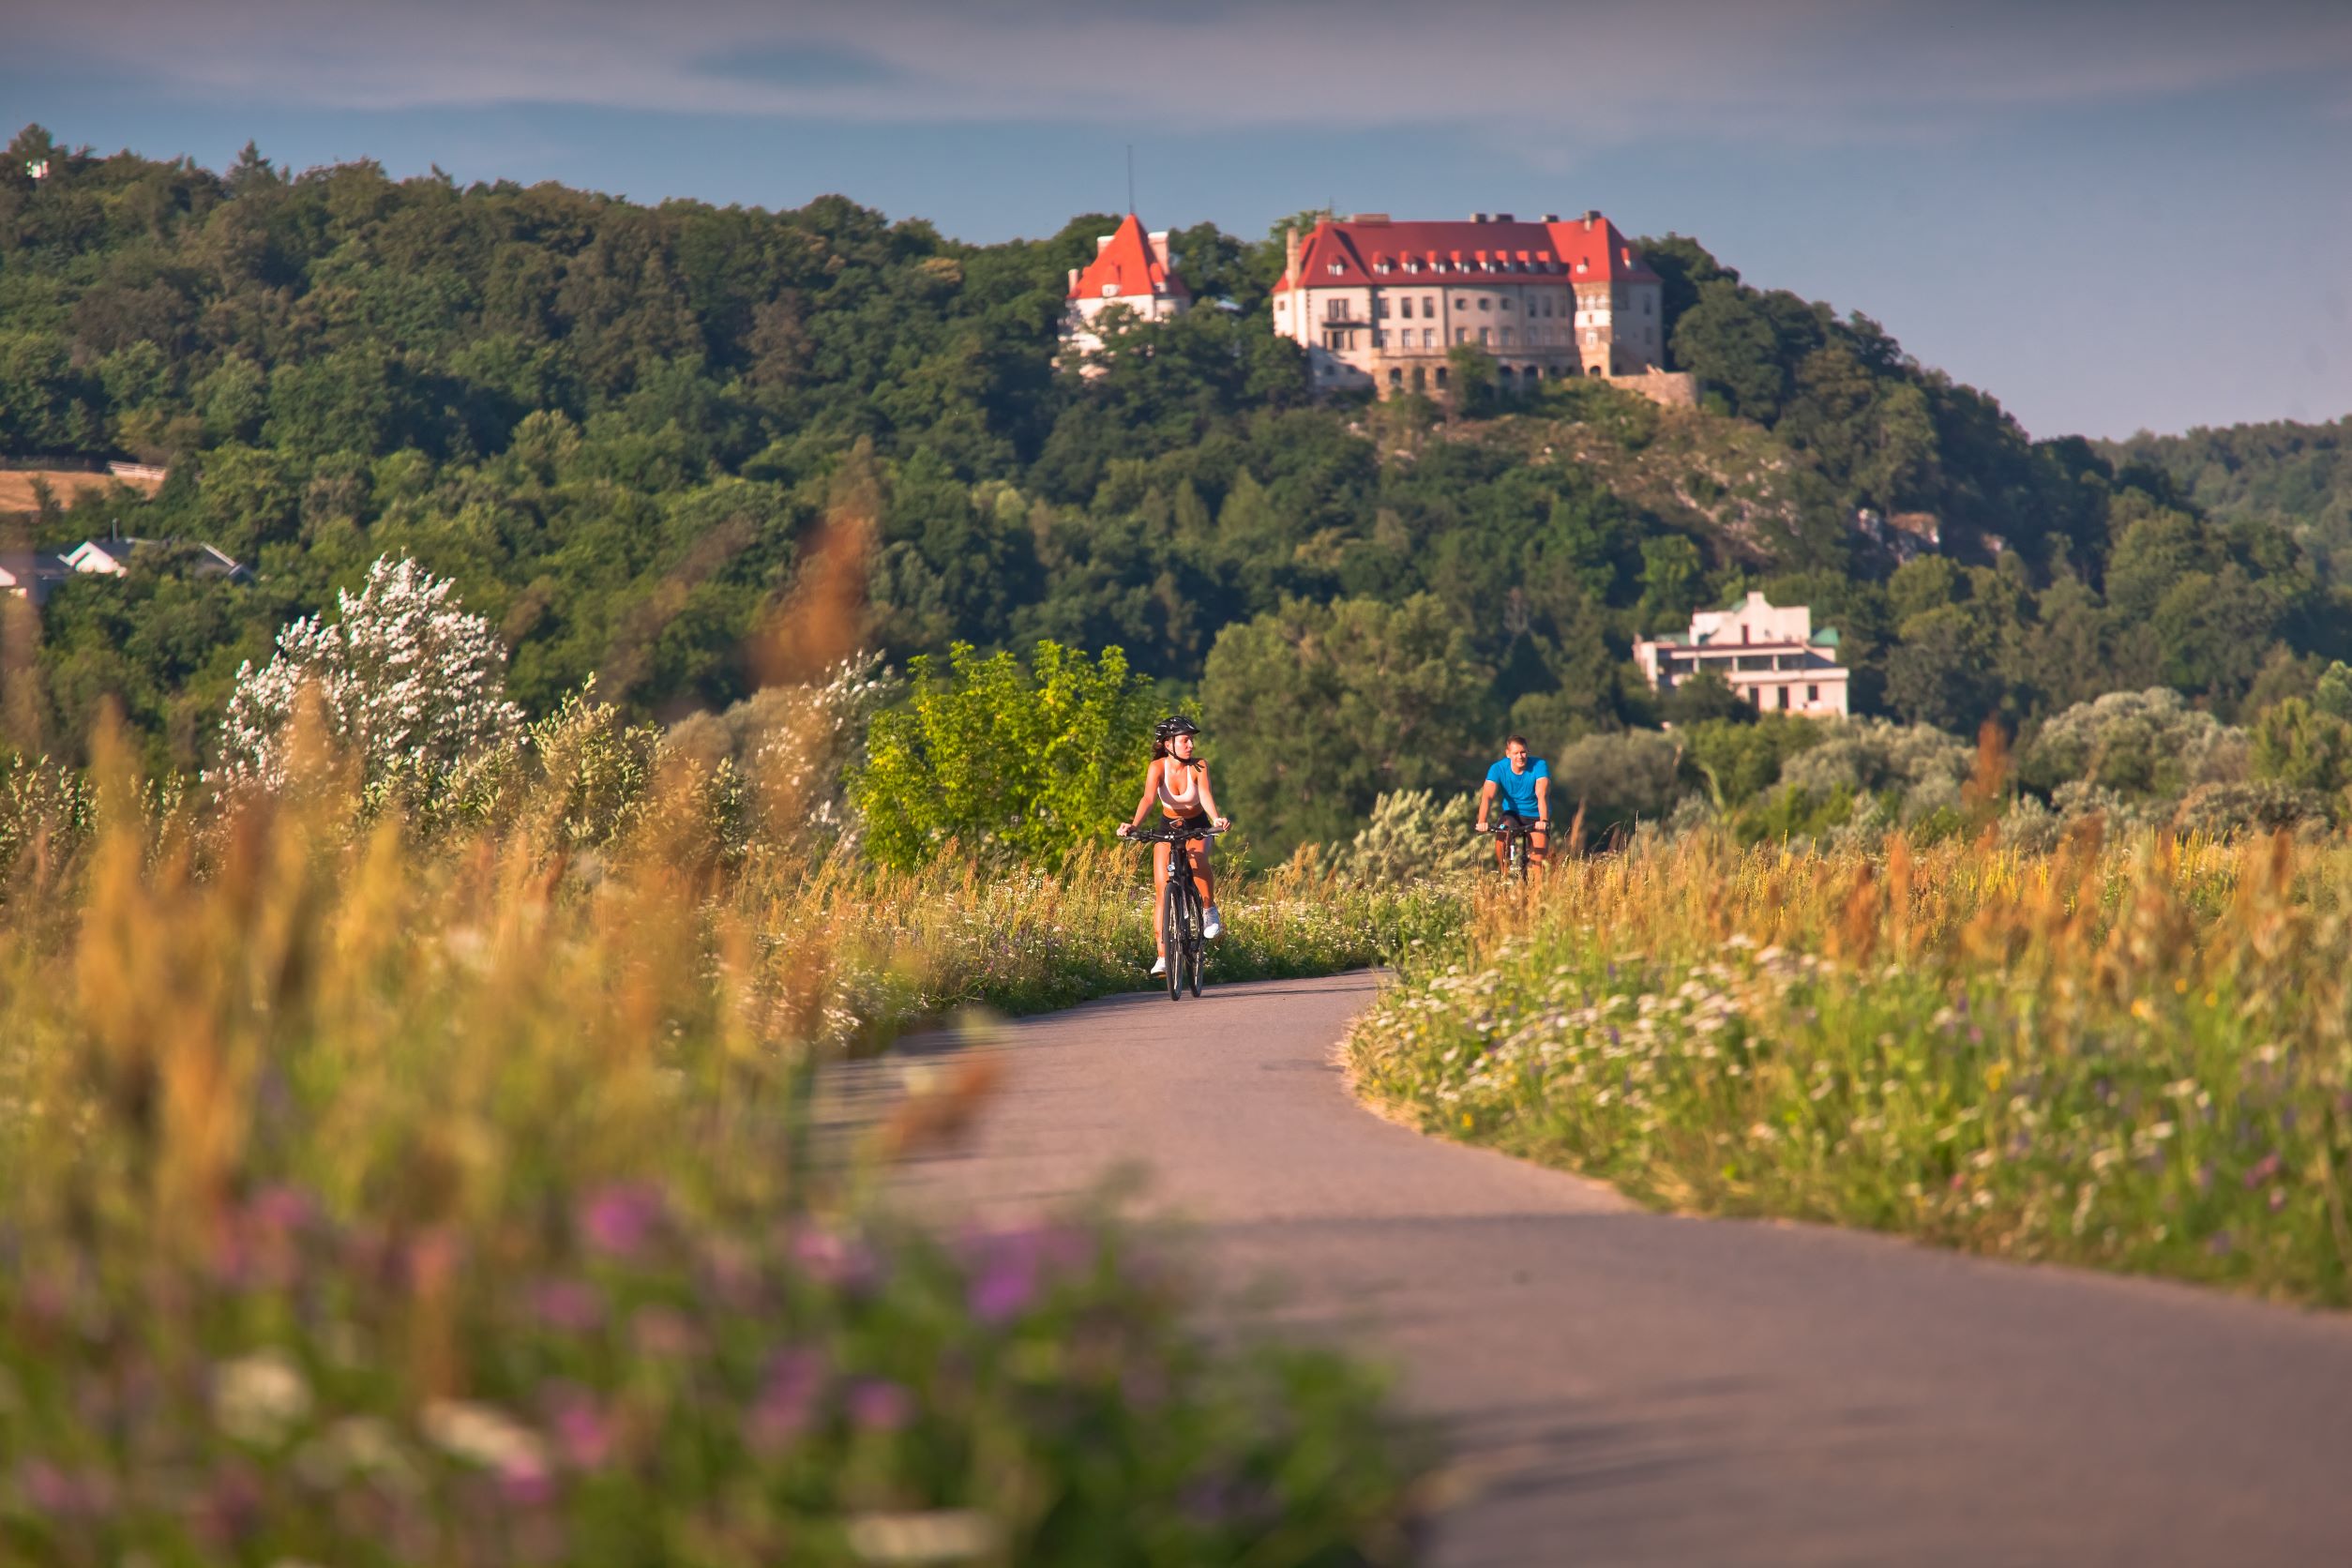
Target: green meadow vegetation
column 2128, row 1053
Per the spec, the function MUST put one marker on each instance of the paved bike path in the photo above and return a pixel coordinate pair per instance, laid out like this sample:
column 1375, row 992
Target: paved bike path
column 1624, row 1387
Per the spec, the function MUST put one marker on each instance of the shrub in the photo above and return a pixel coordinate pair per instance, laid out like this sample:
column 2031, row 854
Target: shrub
column 1030, row 759
column 2303, row 746
column 1413, row 835
column 2265, row 806
column 2138, row 744
column 413, row 684
column 1618, row 779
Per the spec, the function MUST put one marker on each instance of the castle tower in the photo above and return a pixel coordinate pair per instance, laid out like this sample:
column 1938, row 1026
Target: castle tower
column 1132, row 271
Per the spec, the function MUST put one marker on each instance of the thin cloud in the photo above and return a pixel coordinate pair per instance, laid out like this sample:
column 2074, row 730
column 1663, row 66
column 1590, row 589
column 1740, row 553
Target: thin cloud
column 1601, row 71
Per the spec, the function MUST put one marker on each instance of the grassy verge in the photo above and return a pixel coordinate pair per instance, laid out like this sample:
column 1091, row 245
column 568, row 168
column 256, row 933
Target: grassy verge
column 2136, row 1057
column 901, row 947
column 371, row 1200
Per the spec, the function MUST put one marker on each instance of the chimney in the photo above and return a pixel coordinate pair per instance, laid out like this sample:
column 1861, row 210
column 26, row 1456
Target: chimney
column 1551, row 218
column 1504, row 218
column 1591, row 219
column 1074, row 271
column 1159, row 247
column 1291, row 257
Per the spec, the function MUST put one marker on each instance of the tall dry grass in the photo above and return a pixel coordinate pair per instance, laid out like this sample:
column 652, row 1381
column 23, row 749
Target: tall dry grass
column 2134, row 1054
column 383, row 1196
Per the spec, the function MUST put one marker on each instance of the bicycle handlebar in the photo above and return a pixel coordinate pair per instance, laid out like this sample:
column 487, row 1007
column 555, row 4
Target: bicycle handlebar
column 1170, row 835
column 1501, row 828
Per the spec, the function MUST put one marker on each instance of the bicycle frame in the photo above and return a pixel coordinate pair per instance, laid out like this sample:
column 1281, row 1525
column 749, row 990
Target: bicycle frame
column 1181, row 913
column 1517, row 848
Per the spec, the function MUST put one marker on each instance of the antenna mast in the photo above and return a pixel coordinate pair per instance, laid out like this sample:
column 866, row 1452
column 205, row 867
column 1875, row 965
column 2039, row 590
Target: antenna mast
column 1131, row 178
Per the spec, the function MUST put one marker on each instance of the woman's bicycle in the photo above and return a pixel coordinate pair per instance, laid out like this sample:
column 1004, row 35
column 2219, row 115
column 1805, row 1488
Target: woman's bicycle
column 1182, row 913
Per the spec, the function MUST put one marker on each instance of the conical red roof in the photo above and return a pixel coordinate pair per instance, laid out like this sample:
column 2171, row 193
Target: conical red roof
column 1127, row 268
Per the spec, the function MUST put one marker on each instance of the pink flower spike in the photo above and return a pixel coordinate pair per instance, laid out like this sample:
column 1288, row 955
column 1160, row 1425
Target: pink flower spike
column 583, row 1436
column 620, row 1219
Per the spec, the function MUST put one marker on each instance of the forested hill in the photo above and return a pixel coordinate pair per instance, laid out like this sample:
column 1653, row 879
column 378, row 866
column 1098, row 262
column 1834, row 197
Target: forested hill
column 2298, row 477
column 616, row 425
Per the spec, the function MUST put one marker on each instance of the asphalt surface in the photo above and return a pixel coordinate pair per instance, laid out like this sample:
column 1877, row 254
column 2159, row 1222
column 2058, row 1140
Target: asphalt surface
column 1620, row 1387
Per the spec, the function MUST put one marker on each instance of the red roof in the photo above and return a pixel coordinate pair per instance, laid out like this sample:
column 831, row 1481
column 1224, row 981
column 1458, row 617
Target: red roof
column 1474, row 252
column 1126, row 267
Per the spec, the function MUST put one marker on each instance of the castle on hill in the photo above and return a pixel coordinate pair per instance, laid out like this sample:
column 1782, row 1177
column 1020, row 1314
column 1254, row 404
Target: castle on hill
column 1132, row 272
column 1378, row 304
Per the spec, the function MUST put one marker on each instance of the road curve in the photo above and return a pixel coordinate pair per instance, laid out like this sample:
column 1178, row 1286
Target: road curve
column 1624, row 1387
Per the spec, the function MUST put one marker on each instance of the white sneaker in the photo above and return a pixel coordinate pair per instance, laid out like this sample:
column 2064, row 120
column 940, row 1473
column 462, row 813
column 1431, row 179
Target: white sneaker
column 1211, row 925
column 1159, row 965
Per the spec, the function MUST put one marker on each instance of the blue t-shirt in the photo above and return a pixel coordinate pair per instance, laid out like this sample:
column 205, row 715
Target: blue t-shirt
column 1517, row 789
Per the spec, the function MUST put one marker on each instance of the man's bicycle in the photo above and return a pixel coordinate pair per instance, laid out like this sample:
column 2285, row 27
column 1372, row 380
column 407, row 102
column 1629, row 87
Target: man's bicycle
column 1515, row 835
column 1181, row 914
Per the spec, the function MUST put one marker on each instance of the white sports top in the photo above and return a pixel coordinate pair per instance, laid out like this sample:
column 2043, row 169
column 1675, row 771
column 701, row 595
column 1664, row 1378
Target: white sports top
column 1180, row 803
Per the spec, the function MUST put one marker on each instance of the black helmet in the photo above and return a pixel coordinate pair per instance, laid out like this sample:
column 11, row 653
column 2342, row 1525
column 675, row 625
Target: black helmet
column 1172, row 726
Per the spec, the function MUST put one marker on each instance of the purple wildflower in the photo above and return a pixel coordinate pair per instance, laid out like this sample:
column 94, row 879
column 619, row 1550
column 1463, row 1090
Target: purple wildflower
column 2263, row 1170
column 619, row 1219
column 282, row 1210
column 661, row 1331
column 830, row 1258
column 2219, row 1247
column 568, row 1305
column 582, row 1435
column 526, row 1482
column 876, row 1405
column 787, row 1401
column 49, row 1489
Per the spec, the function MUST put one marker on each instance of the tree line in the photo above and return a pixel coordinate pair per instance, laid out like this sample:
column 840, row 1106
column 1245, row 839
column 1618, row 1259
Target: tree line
column 623, row 430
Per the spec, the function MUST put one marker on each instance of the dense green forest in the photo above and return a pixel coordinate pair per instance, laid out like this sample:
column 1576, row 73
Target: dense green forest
column 619, row 428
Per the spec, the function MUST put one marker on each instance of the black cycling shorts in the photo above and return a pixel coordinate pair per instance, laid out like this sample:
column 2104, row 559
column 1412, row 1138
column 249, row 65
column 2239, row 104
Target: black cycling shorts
column 1511, row 819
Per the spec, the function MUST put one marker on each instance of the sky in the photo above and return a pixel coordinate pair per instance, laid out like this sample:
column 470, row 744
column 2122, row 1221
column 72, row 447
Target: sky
column 2113, row 215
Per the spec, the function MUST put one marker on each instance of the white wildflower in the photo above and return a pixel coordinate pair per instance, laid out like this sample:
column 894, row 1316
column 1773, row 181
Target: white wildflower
column 259, row 1398
column 482, row 1436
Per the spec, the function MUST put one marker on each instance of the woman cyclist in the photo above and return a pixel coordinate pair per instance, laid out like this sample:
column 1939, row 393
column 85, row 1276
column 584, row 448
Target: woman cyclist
column 1180, row 782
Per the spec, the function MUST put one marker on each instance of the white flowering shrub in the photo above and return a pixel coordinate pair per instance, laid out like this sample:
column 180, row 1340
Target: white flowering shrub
column 1412, row 834
column 403, row 675
column 792, row 745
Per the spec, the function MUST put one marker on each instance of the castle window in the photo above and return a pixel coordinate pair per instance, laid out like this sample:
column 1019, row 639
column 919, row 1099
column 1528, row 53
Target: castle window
column 1484, row 303
column 1337, row 269
column 1485, row 336
column 1428, row 305
column 1405, row 307
column 1506, row 336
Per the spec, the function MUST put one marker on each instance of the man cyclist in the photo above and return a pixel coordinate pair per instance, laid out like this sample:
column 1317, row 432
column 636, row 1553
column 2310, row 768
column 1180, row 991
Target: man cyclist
column 1523, row 785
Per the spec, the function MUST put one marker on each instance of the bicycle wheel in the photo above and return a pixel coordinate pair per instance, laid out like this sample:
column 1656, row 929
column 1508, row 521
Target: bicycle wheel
column 1172, row 929
column 1521, row 846
column 1199, row 955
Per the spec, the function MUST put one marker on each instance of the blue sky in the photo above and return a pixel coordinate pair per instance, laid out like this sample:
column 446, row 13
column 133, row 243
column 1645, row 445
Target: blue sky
column 2111, row 216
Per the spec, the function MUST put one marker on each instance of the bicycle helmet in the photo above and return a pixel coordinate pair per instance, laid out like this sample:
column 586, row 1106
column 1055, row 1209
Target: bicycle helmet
column 1172, row 726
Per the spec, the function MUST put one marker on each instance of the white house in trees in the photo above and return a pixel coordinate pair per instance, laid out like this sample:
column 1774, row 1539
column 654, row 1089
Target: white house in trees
column 1769, row 653
column 1132, row 271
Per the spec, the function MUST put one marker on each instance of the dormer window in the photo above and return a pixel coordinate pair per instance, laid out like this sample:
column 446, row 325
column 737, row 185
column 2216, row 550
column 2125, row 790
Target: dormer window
column 1337, row 269
column 1109, row 289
